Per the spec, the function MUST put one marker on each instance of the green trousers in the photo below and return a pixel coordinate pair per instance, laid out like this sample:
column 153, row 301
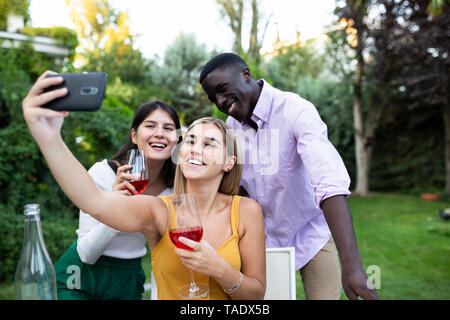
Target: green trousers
column 108, row 279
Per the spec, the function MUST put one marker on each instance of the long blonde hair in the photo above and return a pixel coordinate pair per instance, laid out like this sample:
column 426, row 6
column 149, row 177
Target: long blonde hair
column 230, row 180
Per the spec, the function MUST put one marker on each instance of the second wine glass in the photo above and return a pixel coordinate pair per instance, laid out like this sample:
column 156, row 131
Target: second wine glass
column 136, row 158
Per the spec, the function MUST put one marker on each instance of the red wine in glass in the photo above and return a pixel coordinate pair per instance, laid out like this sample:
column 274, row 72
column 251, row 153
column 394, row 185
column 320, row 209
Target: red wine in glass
column 192, row 233
column 136, row 159
column 184, row 221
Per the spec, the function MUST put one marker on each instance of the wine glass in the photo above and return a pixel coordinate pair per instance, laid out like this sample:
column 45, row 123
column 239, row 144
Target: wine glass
column 184, row 221
column 136, row 158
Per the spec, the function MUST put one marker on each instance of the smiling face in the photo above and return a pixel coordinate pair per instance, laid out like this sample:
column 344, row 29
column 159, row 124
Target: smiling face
column 232, row 91
column 203, row 153
column 156, row 135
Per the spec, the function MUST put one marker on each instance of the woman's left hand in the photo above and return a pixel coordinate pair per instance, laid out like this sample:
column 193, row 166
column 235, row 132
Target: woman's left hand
column 204, row 259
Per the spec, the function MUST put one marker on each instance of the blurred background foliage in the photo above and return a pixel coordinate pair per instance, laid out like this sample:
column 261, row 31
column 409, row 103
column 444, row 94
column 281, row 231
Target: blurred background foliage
column 408, row 143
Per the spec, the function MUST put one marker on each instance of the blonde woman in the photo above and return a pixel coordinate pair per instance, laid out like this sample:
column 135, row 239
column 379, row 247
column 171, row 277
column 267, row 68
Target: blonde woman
column 232, row 252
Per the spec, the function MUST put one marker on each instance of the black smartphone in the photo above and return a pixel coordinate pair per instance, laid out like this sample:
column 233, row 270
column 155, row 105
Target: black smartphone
column 85, row 92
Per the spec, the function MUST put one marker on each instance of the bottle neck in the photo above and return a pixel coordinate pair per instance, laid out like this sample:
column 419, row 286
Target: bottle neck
column 33, row 232
column 33, row 238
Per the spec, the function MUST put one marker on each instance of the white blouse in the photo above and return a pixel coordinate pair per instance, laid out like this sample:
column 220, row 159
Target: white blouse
column 95, row 238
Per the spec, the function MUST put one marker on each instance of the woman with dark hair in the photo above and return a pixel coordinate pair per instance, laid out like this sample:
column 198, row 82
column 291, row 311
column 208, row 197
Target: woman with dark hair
column 104, row 263
column 168, row 169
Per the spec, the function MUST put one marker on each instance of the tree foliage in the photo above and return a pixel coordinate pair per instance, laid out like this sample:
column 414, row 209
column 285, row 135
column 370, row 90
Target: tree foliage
column 18, row 7
column 401, row 52
column 287, row 68
column 178, row 75
column 233, row 11
column 62, row 35
column 420, row 49
column 101, row 28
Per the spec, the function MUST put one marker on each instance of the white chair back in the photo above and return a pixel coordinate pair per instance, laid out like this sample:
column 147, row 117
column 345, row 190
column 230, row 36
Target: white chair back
column 151, row 286
column 280, row 274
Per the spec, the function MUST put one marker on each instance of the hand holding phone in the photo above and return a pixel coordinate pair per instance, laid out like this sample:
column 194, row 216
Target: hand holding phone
column 85, row 92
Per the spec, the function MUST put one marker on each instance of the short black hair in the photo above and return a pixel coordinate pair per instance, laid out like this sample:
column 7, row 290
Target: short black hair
column 221, row 61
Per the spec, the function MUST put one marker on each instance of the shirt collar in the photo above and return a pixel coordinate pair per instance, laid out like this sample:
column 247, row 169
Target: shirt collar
column 264, row 104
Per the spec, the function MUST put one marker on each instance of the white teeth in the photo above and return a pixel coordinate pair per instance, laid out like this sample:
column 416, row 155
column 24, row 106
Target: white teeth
column 158, row 145
column 196, row 162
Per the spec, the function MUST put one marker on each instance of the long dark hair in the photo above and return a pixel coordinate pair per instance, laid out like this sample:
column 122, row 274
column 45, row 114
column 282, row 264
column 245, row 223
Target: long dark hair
column 142, row 112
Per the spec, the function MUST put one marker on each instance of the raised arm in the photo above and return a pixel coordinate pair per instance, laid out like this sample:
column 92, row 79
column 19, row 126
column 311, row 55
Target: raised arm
column 129, row 214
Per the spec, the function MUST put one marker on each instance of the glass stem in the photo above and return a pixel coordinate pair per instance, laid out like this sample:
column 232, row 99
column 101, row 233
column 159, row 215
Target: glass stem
column 194, row 288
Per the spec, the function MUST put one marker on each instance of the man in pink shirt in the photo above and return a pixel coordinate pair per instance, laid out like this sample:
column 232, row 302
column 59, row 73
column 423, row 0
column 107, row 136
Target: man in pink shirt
column 295, row 174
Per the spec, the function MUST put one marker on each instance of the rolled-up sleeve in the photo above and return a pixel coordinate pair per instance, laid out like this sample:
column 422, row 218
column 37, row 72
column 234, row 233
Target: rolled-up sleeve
column 323, row 164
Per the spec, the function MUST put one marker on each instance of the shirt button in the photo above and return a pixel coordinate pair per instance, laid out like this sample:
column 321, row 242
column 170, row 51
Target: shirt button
column 261, row 195
column 268, row 214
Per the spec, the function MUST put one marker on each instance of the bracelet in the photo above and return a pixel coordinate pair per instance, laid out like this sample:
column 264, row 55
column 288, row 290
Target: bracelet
column 236, row 285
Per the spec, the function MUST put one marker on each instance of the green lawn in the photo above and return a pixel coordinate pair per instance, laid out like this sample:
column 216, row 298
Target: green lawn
column 402, row 235
column 408, row 240
column 410, row 243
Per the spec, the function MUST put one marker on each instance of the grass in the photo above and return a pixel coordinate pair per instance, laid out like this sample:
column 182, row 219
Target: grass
column 408, row 240
column 402, row 235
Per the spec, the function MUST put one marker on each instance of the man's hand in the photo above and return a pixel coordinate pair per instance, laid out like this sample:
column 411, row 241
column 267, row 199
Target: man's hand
column 339, row 219
column 356, row 284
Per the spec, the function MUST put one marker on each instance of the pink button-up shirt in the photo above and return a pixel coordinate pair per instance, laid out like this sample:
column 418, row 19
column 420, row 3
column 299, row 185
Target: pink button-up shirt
column 290, row 167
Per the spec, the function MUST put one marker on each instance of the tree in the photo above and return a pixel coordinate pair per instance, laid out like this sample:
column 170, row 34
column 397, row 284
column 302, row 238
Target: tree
column 351, row 15
column 401, row 51
column 424, row 50
column 293, row 62
column 108, row 47
column 233, row 11
column 373, row 74
column 178, row 77
column 101, row 28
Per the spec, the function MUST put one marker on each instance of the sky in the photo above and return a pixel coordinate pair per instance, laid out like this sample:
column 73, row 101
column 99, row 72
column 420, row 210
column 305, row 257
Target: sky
column 156, row 23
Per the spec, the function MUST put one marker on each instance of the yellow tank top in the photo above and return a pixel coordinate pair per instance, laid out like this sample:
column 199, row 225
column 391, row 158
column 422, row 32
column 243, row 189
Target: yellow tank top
column 170, row 274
